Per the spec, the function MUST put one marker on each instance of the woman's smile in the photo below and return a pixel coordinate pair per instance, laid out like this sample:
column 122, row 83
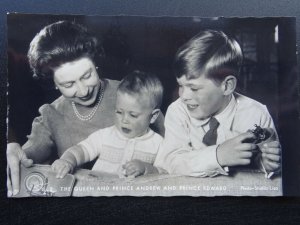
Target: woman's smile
column 87, row 96
column 78, row 81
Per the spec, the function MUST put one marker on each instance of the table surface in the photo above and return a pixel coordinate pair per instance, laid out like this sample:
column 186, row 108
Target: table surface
column 242, row 183
column 92, row 183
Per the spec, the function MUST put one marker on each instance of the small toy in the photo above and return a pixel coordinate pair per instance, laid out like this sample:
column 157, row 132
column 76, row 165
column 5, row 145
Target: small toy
column 262, row 134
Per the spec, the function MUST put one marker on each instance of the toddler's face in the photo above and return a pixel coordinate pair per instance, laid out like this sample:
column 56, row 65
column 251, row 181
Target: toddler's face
column 133, row 114
column 203, row 97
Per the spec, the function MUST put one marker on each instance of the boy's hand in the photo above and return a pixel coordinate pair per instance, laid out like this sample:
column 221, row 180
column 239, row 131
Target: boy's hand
column 235, row 152
column 62, row 167
column 134, row 168
column 271, row 156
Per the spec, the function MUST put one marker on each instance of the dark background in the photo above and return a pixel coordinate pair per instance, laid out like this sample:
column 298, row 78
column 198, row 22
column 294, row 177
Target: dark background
column 179, row 210
column 149, row 44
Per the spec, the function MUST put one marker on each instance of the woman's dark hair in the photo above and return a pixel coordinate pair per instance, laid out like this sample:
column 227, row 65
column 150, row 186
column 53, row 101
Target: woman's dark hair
column 210, row 53
column 59, row 43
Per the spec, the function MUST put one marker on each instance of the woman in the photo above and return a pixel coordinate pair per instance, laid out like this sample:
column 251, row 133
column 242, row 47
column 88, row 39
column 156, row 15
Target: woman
column 65, row 52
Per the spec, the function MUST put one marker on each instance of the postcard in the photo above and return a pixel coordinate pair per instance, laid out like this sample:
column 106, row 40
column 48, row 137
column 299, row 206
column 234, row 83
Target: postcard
column 147, row 106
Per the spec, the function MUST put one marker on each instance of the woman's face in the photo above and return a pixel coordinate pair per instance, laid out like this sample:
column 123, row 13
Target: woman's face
column 78, row 81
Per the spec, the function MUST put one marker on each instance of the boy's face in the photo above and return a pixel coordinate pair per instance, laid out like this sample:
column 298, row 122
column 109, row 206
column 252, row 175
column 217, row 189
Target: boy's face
column 202, row 96
column 133, row 114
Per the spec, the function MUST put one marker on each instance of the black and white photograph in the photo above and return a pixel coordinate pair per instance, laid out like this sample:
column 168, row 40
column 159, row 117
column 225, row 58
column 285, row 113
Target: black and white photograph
column 148, row 106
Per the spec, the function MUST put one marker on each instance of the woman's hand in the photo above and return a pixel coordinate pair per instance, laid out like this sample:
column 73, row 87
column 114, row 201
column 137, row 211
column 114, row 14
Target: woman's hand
column 15, row 156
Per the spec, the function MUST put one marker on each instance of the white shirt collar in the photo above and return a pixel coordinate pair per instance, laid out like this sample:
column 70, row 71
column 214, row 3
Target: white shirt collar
column 225, row 117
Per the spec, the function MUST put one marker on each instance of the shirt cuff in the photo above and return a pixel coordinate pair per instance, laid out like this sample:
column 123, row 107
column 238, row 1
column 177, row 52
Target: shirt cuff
column 216, row 168
column 222, row 170
column 268, row 175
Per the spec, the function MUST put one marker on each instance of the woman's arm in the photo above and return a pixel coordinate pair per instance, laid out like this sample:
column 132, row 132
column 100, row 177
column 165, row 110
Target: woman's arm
column 37, row 149
column 40, row 144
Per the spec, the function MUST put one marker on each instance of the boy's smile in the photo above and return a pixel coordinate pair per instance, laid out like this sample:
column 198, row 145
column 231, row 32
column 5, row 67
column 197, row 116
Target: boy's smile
column 202, row 96
column 192, row 107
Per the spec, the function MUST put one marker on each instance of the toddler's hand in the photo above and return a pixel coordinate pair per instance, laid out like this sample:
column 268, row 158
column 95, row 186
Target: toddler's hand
column 271, row 156
column 234, row 152
column 61, row 167
column 134, row 168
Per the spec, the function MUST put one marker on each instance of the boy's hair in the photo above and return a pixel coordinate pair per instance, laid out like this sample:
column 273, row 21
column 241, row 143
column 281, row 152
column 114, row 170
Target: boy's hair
column 143, row 84
column 59, row 43
column 209, row 53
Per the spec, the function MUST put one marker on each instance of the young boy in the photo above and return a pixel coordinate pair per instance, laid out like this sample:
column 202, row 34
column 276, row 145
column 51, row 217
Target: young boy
column 206, row 128
column 129, row 147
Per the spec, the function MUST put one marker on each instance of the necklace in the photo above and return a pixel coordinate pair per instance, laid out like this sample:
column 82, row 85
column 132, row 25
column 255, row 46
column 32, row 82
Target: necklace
column 93, row 111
